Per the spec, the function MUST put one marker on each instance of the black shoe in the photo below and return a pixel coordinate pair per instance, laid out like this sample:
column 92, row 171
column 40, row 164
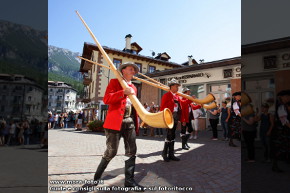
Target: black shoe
column 129, row 175
column 232, row 144
column 165, row 152
column 101, row 168
column 186, row 139
column 183, row 140
column 276, row 169
column 171, row 152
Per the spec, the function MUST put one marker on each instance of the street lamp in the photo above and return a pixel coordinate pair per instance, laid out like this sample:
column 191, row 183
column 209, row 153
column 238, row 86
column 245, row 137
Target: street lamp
column 101, row 73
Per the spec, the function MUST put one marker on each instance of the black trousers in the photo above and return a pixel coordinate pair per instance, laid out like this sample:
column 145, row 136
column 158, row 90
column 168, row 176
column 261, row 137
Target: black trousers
column 113, row 138
column 213, row 124
column 249, row 137
column 170, row 136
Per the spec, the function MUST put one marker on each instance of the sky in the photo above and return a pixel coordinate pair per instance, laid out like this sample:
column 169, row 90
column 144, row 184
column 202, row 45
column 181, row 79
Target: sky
column 209, row 30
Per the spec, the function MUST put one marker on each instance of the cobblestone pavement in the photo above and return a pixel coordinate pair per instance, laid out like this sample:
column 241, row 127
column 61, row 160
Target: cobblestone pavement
column 208, row 167
column 23, row 169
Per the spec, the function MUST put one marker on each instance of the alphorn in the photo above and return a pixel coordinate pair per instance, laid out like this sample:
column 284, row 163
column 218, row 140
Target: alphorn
column 163, row 119
column 209, row 98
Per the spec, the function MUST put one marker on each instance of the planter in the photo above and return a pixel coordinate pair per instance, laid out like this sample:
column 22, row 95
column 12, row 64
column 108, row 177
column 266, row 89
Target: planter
column 96, row 126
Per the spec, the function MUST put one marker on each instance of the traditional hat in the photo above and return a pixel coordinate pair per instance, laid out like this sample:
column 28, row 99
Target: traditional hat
column 173, row 82
column 185, row 89
column 237, row 93
column 123, row 66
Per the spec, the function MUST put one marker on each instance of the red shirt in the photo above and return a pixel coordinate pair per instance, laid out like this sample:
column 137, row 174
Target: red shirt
column 115, row 98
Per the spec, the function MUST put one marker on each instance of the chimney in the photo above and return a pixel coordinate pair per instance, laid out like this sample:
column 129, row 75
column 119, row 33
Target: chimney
column 128, row 42
column 190, row 60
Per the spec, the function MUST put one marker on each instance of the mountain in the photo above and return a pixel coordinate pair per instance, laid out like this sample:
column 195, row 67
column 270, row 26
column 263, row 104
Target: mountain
column 23, row 50
column 63, row 65
column 64, row 61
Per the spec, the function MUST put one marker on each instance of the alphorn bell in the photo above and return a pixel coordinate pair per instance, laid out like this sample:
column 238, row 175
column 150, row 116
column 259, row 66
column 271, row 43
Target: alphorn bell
column 209, row 98
column 210, row 106
column 163, row 119
column 247, row 110
column 245, row 99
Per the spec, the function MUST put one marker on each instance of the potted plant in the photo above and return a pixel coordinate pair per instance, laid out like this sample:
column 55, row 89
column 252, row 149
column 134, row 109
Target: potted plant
column 96, row 125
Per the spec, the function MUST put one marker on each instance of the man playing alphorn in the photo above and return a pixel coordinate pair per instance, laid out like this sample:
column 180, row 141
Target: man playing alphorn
column 121, row 121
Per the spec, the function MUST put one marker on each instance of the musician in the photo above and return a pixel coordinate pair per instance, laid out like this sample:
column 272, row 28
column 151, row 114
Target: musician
column 121, row 121
column 171, row 101
column 186, row 117
column 235, row 119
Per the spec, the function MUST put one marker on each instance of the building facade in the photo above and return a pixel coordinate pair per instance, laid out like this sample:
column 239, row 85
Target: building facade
column 220, row 78
column 96, row 78
column 265, row 70
column 61, row 97
column 21, row 98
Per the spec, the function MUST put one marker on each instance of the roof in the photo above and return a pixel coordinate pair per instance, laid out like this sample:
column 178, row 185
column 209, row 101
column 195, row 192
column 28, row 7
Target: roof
column 18, row 79
column 139, row 48
column 268, row 45
column 207, row 65
column 89, row 47
column 159, row 56
column 64, row 85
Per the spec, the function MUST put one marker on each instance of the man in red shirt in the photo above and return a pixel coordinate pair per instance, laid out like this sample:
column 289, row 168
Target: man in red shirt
column 121, row 121
column 171, row 101
column 186, row 117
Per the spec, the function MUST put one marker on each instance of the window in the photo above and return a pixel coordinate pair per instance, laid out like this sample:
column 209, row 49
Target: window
column 117, row 62
column 151, row 69
column 29, row 98
column 3, row 97
column 58, row 104
column 4, row 87
column 139, row 66
column 51, row 90
column 2, row 108
column 50, row 96
column 49, row 104
column 28, row 108
column 270, row 62
column 18, row 87
column 67, row 97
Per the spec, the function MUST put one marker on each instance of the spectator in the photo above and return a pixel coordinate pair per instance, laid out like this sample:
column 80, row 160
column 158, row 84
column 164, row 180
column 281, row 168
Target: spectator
column 144, row 125
column 214, row 120
column 159, row 131
column 11, row 138
column 79, row 121
column 61, row 120
column 2, row 132
column 249, row 131
column 266, row 126
column 235, row 119
column 225, row 116
column 197, row 113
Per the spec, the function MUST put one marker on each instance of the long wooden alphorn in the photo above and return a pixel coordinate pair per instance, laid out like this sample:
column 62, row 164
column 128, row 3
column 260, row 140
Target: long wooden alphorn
column 163, row 119
column 209, row 98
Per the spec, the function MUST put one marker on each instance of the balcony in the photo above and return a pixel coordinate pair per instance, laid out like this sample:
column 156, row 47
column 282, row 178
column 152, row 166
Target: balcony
column 87, row 66
column 87, row 79
column 85, row 96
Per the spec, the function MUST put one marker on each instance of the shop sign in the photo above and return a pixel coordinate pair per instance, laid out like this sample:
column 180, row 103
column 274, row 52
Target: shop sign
column 182, row 79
